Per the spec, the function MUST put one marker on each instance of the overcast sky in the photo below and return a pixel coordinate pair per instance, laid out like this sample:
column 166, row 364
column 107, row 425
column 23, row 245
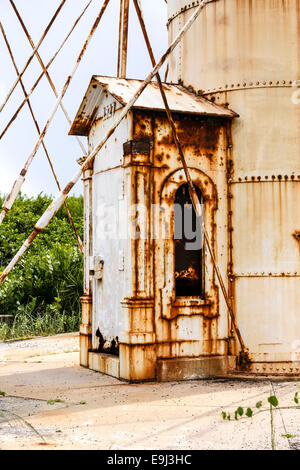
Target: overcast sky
column 100, row 59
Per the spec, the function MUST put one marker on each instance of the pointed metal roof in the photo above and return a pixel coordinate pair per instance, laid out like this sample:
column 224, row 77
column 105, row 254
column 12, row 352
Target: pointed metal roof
column 180, row 101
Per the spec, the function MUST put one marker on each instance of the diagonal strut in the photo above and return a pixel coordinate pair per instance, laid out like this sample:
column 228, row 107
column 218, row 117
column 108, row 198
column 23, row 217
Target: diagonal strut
column 32, row 55
column 20, row 180
column 47, row 67
column 38, row 130
column 45, row 70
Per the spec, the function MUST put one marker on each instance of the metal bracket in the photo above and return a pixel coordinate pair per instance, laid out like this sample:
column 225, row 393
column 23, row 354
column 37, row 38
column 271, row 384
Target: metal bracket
column 96, row 267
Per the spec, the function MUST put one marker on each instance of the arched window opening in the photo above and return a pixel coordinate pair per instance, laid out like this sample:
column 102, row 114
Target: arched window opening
column 189, row 246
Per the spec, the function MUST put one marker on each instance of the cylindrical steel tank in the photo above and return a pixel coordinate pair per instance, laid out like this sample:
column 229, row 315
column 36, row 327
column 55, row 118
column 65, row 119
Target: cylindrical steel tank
column 246, row 54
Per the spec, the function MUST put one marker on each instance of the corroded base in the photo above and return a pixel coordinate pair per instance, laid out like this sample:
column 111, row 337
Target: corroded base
column 138, row 365
column 170, row 370
column 104, row 363
column 85, row 330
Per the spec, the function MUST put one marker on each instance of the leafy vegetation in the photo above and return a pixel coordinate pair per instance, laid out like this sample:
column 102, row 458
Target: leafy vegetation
column 43, row 290
column 56, row 400
column 273, row 404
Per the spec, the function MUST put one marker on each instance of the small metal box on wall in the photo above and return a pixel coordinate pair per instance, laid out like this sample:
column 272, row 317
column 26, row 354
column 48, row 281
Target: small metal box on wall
column 151, row 304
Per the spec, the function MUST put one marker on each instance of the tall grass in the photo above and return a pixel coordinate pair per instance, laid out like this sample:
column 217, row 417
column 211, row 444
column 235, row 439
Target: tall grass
column 43, row 291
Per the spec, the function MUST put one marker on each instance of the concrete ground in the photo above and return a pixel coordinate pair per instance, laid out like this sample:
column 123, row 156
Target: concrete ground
column 99, row 412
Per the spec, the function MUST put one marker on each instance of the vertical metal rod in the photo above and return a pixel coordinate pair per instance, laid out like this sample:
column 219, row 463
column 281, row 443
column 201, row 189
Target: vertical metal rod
column 33, row 54
column 166, row 73
column 20, row 180
column 38, row 130
column 45, row 71
column 54, row 207
column 123, row 38
column 192, row 190
column 47, row 66
column 120, row 38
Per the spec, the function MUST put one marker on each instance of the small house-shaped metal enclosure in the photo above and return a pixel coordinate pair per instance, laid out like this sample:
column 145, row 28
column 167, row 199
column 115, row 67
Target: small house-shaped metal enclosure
column 152, row 307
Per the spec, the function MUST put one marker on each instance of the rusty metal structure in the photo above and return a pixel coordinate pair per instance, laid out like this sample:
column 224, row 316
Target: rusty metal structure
column 247, row 58
column 143, row 170
column 220, row 142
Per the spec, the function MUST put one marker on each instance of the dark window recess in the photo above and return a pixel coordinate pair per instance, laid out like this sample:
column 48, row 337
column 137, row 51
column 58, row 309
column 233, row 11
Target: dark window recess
column 189, row 247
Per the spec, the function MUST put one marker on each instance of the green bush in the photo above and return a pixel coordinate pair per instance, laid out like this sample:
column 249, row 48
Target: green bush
column 43, row 290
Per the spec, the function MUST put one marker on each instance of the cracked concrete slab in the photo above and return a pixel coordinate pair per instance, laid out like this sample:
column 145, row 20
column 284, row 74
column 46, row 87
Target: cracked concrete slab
column 95, row 411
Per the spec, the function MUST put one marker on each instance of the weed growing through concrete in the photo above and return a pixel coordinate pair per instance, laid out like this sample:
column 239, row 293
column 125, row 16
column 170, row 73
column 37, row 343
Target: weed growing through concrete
column 56, row 400
column 273, row 403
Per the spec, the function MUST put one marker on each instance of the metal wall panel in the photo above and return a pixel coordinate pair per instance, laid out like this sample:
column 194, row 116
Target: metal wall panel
column 268, row 317
column 236, row 42
column 245, row 54
column 266, row 217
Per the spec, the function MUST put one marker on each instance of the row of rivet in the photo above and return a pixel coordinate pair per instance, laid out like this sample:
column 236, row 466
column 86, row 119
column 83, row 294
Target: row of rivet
column 265, row 179
column 232, row 276
column 269, row 368
column 187, row 7
column 257, row 84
